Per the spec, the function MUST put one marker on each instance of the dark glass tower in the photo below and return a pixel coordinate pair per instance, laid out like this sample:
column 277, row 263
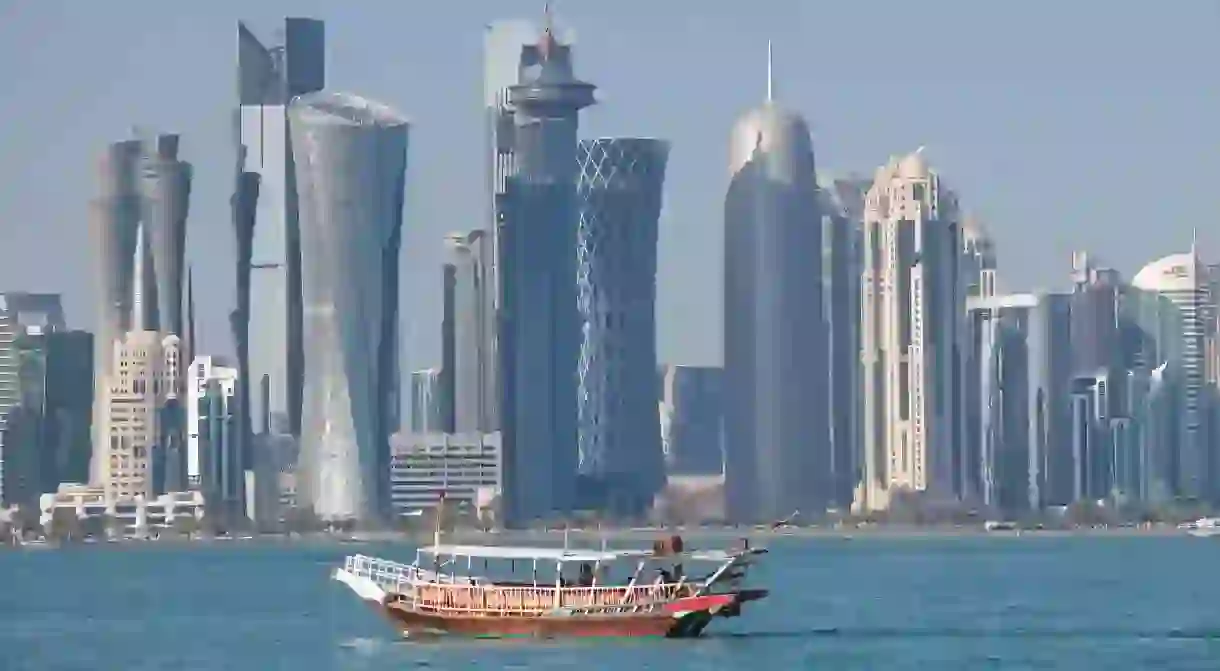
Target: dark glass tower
column 539, row 322
column 267, row 319
column 620, row 191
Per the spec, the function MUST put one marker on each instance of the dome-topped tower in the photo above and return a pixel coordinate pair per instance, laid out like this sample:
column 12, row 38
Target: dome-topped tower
column 774, row 338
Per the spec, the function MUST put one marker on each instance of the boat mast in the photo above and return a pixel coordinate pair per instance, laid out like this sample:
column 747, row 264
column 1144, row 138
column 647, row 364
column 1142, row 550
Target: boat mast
column 440, row 511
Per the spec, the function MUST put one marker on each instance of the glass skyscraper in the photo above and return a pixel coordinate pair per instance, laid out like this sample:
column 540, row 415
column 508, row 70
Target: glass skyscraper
column 620, row 193
column 267, row 321
column 774, row 338
column 351, row 159
column 539, row 327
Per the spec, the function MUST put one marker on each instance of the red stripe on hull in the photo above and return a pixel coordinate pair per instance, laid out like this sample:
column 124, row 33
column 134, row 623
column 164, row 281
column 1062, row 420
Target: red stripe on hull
column 626, row 625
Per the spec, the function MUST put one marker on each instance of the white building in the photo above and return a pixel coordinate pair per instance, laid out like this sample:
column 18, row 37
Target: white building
column 136, row 516
column 465, row 467
column 203, row 369
column 145, row 372
column 912, row 317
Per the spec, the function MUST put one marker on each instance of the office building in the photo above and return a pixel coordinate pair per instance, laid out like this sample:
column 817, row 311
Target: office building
column 775, row 403
column 978, row 260
column 267, row 321
column 465, row 468
column 165, row 189
column 466, row 360
column 539, row 333
column 911, row 321
column 1175, row 311
column 68, row 407
column 619, row 192
column 222, row 477
column 503, row 43
column 841, row 206
column 114, row 216
column 351, row 159
column 691, row 404
column 427, row 402
column 204, row 370
column 145, row 365
column 26, row 319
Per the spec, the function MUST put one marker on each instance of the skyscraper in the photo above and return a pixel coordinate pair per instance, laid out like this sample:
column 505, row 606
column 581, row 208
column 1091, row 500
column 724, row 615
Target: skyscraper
column 691, row 402
column 842, row 210
column 774, row 338
column 539, row 330
column 912, row 313
column 1175, row 313
column 267, row 322
column 351, row 159
column 620, row 192
column 503, row 44
column 165, row 185
column 114, row 216
column 468, row 337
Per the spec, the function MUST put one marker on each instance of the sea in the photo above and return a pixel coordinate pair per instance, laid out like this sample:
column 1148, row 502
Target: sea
column 932, row 603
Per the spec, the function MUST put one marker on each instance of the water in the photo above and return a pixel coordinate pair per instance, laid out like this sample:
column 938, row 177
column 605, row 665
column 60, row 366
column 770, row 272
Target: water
column 871, row 603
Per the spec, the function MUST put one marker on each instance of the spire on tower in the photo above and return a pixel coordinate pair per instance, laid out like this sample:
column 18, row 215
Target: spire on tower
column 770, row 76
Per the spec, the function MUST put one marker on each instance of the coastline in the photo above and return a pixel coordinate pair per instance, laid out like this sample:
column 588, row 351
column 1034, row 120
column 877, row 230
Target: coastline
column 631, row 536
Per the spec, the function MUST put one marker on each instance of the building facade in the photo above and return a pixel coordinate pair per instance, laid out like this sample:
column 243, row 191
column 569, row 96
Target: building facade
column 539, row 324
column 204, row 370
column 351, row 159
column 504, row 42
column 145, row 366
column 427, row 403
column 267, row 321
column 775, row 403
column 221, row 470
column 691, row 404
column 1175, row 309
column 842, row 209
column 464, row 468
column 620, row 194
column 467, row 336
column 912, row 315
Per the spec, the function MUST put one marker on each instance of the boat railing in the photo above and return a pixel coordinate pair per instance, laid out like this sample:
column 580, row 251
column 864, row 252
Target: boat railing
column 396, row 577
column 538, row 600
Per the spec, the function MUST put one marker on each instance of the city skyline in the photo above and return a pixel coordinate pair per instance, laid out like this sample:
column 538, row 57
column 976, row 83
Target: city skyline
column 965, row 149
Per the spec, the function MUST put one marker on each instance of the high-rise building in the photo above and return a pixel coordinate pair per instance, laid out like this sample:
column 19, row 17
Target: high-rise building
column 267, row 321
column 25, row 321
column 165, row 187
column 912, row 314
column 203, row 370
column 978, row 260
column 68, row 404
column 774, row 337
column 539, row 325
column 145, row 365
column 503, row 43
column 114, row 216
column 1175, row 313
column 427, row 406
column 351, row 160
column 842, row 210
column 220, row 464
column 619, row 192
column 467, row 334
column 691, row 403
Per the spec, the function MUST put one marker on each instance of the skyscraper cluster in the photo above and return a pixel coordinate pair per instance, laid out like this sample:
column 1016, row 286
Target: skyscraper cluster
column 874, row 361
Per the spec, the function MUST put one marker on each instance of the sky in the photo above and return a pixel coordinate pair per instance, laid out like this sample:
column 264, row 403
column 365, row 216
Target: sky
column 1062, row 125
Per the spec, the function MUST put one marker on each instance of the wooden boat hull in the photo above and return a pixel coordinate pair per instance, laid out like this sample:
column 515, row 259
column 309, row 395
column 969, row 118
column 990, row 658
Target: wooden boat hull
column 677, row 620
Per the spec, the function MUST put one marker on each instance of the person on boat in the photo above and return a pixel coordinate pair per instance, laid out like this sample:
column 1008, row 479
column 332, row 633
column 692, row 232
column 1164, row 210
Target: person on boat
column 666, row 576
column 586, row 576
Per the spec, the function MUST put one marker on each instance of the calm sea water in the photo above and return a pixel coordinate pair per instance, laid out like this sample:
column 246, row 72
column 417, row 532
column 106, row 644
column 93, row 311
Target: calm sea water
column 873, row 603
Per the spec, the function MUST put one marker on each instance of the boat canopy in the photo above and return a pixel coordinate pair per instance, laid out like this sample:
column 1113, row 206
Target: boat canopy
column 566, row 555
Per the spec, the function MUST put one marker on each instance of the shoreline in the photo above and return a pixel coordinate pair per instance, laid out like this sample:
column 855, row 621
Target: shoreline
column 587, row 538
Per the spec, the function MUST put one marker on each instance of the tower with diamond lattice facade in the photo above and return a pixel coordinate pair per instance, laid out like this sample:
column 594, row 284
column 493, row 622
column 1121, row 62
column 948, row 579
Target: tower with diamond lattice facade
column 619, row 193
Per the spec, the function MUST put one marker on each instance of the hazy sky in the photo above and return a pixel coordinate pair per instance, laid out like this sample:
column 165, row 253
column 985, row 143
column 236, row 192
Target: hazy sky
column 1063, row 125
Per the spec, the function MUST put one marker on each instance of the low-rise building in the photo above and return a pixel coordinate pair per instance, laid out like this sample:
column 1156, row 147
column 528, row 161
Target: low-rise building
column 466, row 468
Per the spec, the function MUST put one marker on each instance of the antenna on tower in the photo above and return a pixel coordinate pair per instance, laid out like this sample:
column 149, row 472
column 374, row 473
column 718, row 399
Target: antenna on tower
column 770, row 76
